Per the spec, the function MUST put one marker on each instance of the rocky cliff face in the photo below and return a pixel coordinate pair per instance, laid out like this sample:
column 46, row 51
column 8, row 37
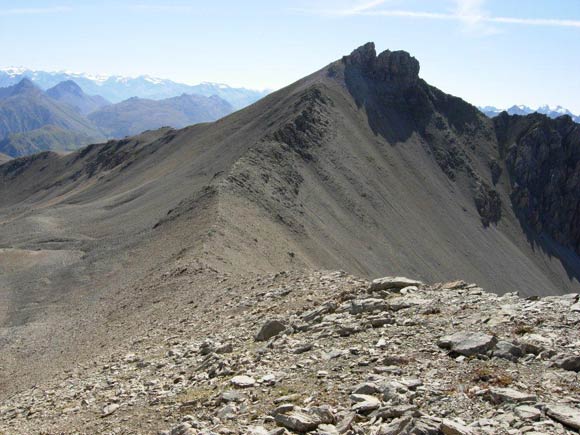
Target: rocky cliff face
column 543, row 159
column 396, row 67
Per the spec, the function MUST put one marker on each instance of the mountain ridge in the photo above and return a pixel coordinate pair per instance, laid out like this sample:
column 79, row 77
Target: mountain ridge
column 299, row 137
column 360, row 166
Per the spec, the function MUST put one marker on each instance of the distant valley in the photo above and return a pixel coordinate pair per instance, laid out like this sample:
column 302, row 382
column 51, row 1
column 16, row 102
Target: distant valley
column 40, row 113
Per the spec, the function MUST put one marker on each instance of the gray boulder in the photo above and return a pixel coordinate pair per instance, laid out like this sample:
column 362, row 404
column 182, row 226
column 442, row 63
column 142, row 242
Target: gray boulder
column 468, row 343
column 507, row 350
column 270, row 329
column 568, row 362
column 297, row 421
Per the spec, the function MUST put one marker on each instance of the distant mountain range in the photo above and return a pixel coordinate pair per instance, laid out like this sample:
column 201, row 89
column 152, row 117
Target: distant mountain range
column 64, row 118
column 118, row 88
column 550, row 111
column 32, row 121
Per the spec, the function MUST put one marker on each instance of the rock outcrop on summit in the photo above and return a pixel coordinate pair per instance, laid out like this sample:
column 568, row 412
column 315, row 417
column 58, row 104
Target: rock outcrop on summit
column 361, row 166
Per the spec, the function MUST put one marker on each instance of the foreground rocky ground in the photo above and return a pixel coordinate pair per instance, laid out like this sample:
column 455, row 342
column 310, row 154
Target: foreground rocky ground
column 327, row 353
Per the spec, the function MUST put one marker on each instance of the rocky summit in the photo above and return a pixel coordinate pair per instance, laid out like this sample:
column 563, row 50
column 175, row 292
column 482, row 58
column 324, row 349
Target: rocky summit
column 326, row 353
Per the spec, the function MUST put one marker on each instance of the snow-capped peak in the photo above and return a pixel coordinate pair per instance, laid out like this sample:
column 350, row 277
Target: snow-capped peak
column 215, row 85
column 556, row 109
column 153, row 80
column 14, row 70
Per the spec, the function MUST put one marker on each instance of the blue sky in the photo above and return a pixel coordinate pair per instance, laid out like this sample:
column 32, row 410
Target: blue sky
column 497, row 52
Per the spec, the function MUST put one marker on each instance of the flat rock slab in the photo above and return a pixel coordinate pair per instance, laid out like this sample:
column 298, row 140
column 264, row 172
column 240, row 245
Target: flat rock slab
column 368, row 305
column 529, row 413
column 392, row 283
column 364, row 403
column 454, row 285
column 110, row 409
column 509, row 395
column 243, row 381
column 564, row 414
column 327, row 429
column 297, row 421
column 451, row 427
column 468, row 343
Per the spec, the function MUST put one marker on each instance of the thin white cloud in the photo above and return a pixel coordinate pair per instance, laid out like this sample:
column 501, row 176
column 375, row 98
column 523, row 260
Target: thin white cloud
column 34, row 11
column 473, row 16
column 469, row 12
column 358, row 9
column 161, row 7
column 363, row 7
column 476, row 18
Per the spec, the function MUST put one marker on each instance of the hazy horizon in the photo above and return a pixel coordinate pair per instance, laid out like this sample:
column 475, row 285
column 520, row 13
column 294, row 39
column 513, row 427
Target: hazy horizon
column 497, row 53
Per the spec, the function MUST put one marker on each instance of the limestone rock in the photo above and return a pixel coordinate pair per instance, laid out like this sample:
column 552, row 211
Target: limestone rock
column 526, row 412
column 410, row 425
column 243, row 381
column 368, row 305
column 364, row 403
column 393, row 283
column 501, row 395
column 566, row 415
column 327, row 429
column 298, row 421
column 468, row 343
column 452, row 427
column 110, row 409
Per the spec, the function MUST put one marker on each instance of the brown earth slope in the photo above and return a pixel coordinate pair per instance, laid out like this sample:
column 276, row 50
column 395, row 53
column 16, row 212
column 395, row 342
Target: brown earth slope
column 361, row 166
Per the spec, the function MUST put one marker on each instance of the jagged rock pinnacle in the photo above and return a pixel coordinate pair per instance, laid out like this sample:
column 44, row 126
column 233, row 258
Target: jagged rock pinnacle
column 397, row 67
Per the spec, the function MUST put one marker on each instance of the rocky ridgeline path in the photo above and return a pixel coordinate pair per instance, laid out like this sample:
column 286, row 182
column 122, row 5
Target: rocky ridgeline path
column 328, row 353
